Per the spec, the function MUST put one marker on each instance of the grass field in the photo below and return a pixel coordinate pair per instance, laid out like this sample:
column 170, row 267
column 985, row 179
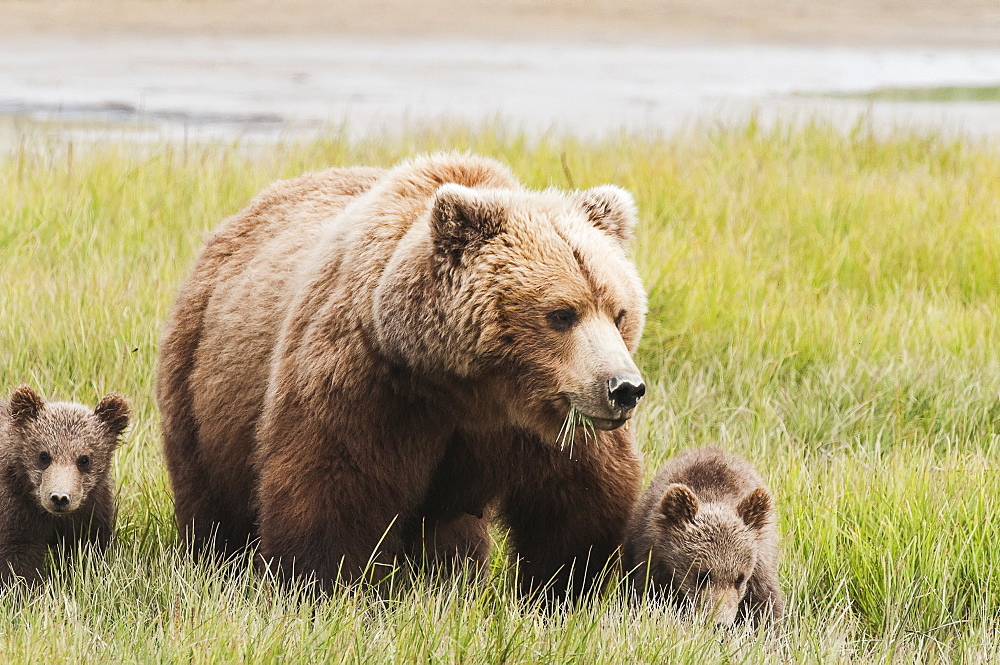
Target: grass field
column 824, row 305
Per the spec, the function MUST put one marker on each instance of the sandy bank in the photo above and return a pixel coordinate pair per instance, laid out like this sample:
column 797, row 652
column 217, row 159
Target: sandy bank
column 967, row 23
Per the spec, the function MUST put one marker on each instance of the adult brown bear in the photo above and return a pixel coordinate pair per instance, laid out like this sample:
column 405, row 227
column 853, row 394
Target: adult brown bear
column 365, row 362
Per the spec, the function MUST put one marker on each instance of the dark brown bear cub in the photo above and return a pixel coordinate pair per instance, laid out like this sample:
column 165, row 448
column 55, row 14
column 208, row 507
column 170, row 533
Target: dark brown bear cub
column 56, row 483
column 704, row 536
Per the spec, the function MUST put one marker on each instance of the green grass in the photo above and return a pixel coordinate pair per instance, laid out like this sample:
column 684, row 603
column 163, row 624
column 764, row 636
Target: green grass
column 825, row 305
column 989, row 93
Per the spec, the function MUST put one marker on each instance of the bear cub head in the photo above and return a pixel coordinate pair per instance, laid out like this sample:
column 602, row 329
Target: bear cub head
column 63, row 448
column 704, row 536
column 709, row 550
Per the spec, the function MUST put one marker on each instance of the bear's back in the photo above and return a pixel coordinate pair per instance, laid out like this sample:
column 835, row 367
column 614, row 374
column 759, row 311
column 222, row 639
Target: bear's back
column 282, row 214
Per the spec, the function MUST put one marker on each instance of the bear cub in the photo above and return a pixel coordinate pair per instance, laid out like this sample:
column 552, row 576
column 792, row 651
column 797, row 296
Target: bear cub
column 704, row 536
column 55, row 477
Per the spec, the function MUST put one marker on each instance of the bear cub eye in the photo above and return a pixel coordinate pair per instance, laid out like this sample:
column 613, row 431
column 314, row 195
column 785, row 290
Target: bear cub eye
column 740, row 579
column 44, row 459
column 83, row 463
column 562, row 319
column 619, row 319
column 704, row 578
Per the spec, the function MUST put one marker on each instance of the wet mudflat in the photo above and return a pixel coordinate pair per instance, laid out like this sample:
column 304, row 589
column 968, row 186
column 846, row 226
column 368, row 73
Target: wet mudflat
column 268, row 87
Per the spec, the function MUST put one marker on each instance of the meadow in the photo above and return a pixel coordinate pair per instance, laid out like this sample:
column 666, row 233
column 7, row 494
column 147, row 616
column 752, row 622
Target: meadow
column 823, row 304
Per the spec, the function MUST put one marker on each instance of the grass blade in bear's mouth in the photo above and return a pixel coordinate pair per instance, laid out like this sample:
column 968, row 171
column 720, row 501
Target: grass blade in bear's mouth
column 567, row 433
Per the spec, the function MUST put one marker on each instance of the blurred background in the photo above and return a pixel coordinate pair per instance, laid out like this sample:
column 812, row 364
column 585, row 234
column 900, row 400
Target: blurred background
column 259, row 70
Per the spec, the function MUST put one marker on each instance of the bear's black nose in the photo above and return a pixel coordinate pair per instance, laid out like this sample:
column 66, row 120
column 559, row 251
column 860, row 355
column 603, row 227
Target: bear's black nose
column 59, row 499
column 625, row 391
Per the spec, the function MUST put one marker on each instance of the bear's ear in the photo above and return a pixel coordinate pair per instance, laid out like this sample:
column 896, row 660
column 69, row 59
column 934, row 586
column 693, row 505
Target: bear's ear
column 113, row 411
column 25, row 405
column 679, row 505
column 611, row 209
column 462, row 218
column 755, row 509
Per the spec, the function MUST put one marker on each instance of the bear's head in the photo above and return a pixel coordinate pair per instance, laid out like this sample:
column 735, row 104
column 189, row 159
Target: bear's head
column 531, row 293
column 708, row 551
column 65, row 449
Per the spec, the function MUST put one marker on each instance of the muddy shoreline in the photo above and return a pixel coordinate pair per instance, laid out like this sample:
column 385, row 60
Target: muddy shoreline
column 263, row 70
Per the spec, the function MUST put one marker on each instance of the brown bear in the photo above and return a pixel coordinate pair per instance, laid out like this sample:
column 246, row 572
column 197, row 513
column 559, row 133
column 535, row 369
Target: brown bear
column 56, row 485
column 364, row 362
column 704, row 536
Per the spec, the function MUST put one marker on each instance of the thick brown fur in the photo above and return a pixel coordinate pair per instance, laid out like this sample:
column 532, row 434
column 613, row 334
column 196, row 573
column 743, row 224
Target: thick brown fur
column 56, row 484
column 366, row 363
column 704, row 536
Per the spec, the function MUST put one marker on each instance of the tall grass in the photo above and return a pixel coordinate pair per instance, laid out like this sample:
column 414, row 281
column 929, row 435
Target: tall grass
column 822, row 304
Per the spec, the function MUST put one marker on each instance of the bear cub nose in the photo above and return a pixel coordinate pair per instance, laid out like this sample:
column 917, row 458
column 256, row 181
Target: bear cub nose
column 59, row 499
column 625, row 391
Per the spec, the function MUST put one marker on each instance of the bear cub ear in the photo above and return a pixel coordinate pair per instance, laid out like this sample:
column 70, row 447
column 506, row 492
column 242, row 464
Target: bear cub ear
column 679, row 505
column 611, row 209
column 113, row 411
column 755, row 509
column 25, row 405
column 462, row 218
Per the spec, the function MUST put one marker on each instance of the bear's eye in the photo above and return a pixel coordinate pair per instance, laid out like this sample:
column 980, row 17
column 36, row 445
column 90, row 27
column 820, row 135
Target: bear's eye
column 619, row 319
column 44, row 459
column 740, row 579
column 704, row 578
column 83, row 463
column 562, row 319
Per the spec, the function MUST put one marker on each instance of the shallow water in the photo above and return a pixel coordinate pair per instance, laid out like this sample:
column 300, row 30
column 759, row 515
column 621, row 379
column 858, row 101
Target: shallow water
column 264, row 88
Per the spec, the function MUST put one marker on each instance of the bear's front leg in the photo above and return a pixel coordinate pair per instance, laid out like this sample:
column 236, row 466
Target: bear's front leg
column 325, row 519
column 452, row 545
column 26, row 566
column 452, row 533
column 22, row 554
column 336, row 485
column 763, row 603
column 568, row 515
column 98, row 525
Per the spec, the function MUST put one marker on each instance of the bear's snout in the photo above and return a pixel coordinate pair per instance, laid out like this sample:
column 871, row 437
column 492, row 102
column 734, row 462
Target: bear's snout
column 722, row 605
column 60, row 500
column 625, row 391
column 605, row 384
column 61, row 489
